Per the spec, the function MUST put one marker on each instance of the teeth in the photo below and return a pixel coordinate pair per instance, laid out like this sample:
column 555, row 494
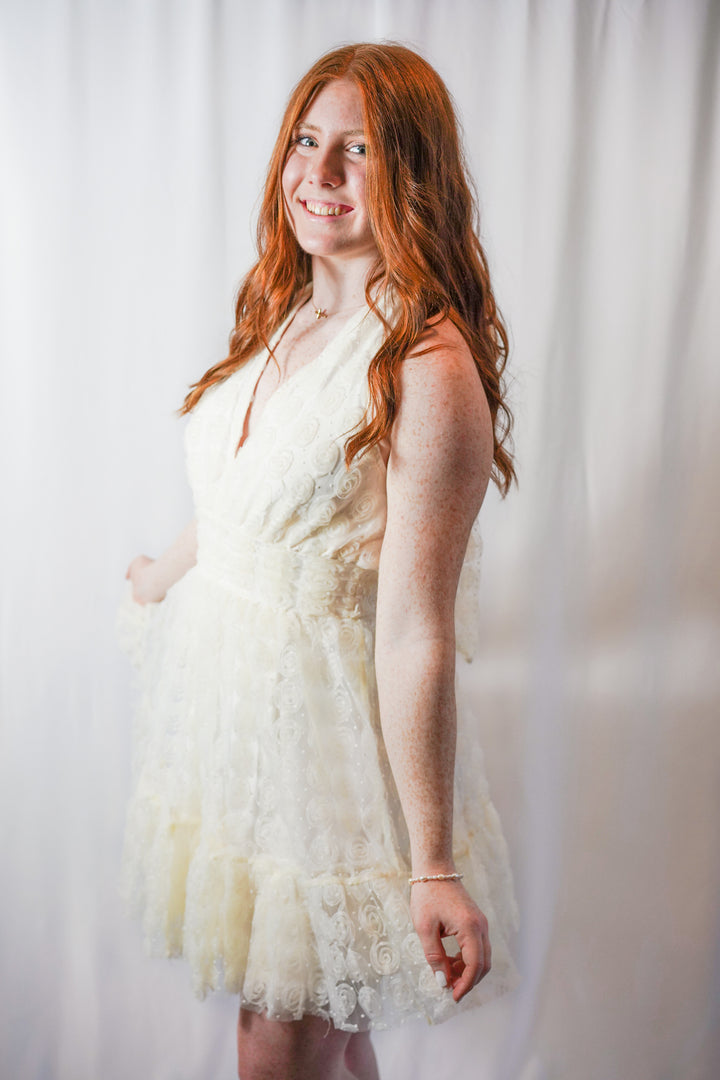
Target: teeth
column 323, row 210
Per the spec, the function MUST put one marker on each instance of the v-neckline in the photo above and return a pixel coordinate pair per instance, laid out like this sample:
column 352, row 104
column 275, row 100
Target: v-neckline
column 250, row 437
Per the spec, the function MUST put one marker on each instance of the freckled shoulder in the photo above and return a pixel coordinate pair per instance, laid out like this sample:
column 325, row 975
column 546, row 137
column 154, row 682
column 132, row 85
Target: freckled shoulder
column 449, row 363
column 448, row 372
column 440, row 333
column 443, row 423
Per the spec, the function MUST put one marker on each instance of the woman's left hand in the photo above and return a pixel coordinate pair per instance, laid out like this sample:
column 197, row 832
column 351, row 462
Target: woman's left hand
column 442, row 909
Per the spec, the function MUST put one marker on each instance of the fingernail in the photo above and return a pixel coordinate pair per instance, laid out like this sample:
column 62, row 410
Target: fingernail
column 441, row 980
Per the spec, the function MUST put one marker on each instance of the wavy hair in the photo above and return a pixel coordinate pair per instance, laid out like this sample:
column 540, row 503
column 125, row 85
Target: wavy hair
column 425, row 222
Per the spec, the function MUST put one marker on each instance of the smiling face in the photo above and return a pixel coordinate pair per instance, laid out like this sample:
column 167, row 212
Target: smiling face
column 324, row 176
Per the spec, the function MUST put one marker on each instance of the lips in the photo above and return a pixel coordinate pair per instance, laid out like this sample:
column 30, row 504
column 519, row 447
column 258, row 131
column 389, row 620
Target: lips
column 321, row 209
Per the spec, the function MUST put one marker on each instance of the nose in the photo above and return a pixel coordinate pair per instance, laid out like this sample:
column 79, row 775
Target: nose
column 325, row 168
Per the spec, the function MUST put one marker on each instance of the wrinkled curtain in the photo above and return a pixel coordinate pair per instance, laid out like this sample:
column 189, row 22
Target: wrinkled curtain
column 134, row 139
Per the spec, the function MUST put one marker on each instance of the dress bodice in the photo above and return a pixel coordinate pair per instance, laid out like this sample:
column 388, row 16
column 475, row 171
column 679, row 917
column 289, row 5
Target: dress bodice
column 285, row 508
column 288, row 484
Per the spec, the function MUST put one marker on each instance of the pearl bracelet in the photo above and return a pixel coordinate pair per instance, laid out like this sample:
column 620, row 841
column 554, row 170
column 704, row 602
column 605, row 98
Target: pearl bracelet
column 435, row 877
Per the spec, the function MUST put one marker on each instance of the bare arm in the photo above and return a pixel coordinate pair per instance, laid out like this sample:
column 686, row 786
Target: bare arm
column 438, row 471
column 151, row 578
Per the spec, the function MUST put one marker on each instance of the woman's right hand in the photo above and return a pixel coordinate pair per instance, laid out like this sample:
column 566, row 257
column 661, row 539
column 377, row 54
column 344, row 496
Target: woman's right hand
column 152, row 578
column 145, row 588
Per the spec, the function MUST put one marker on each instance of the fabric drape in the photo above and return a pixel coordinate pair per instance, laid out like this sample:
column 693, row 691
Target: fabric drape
column 135, row 139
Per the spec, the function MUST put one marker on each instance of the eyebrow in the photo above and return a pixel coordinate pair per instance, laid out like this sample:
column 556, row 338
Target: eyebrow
column 312, row 127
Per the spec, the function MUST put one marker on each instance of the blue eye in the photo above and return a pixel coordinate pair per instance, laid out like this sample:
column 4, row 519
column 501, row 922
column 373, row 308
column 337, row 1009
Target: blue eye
column 358, row 149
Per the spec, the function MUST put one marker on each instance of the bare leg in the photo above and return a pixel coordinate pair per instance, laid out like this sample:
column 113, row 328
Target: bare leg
column 307, row 1049
column 360, row 1057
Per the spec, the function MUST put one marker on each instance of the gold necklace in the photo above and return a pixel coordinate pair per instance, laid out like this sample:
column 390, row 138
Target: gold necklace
column 322, row 313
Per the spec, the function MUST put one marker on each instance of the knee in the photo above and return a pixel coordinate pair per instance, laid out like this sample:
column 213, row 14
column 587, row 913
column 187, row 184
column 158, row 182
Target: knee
column 360, row 1056
column 256, row 1060
column 266, row 1049
column 254, row 1065
column 259, row 1059
column 257, row 1056
column 291, row 1050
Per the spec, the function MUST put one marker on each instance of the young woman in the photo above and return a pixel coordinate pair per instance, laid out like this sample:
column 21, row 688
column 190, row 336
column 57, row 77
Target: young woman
column 298, row 829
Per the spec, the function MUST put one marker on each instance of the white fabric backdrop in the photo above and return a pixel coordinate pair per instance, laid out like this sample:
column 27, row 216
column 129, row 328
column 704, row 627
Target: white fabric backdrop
column 134, row 140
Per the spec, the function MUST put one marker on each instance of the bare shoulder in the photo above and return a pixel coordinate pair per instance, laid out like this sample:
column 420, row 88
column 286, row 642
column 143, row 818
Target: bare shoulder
column 441, row 333
column 439, row 466
column 443, row 409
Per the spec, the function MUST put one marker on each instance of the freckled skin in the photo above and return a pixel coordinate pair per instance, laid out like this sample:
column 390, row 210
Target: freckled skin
column 438, row 471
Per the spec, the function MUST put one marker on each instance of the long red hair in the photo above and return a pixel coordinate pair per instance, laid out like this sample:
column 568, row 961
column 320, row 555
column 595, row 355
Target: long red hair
column 425, row 223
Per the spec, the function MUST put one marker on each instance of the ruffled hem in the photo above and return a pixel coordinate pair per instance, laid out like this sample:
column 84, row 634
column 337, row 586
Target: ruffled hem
column 338, row 946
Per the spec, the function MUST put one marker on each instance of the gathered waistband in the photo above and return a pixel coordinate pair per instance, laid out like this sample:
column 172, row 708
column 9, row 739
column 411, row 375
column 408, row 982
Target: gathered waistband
column 284, row 578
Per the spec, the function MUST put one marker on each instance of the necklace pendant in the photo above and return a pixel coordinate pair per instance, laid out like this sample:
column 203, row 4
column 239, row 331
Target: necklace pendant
column 320, row 313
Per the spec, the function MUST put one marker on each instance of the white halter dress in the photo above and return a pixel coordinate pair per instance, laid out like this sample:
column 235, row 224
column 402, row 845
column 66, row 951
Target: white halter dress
column 264, row 840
